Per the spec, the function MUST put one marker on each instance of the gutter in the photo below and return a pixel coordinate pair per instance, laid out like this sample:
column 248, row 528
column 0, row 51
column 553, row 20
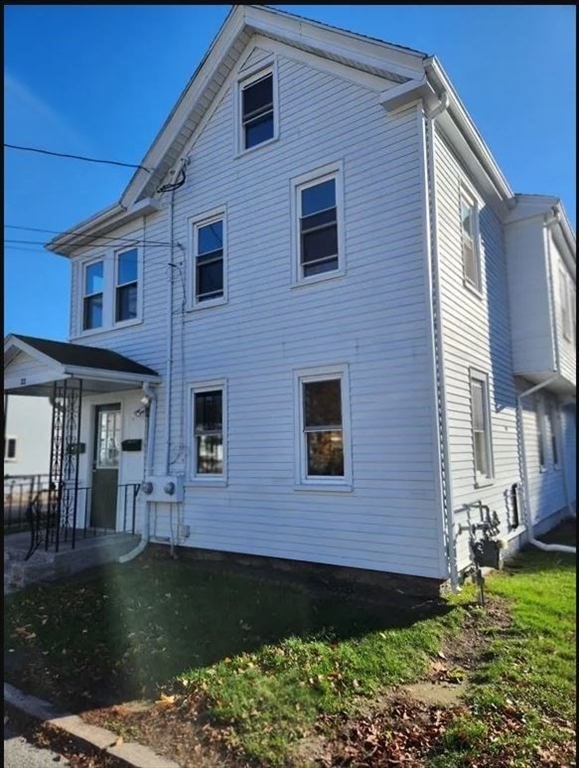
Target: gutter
column 150, row 393
column 438, row 345
column 526, row 507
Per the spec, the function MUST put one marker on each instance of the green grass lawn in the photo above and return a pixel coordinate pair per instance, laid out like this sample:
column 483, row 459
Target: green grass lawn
column 265, row 660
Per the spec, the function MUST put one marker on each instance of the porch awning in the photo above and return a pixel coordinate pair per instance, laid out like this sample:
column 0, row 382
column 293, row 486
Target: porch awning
column 32, row 366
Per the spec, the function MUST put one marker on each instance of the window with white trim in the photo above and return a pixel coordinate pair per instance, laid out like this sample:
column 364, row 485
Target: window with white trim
column 209, row 260
column 93, row 292
column 540, row 429
column 318, row 204
column 481, row 427
column 257, row 109
column 10, row 445
column 208, row 432
column 323, row 427
column 553, row 431
column 567, row 301
column 470, row 242
column 126, row 284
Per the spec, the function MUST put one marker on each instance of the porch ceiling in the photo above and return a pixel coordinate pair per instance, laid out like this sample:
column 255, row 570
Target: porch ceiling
column 32, row 366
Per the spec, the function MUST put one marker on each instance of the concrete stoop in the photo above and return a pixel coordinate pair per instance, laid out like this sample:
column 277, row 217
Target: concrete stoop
column 48, row 566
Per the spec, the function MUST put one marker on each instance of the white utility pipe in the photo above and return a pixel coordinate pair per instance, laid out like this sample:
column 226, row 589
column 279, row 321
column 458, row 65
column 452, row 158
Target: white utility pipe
column 438, row 345
column 149, row 391
column 531, row 539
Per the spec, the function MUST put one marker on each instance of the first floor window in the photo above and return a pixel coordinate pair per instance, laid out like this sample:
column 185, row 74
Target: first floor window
column 127, row 283
column 208, row 428
column 322, row 429
column 481, row 427
column 553, row 432
column 93, row 288
column 208, row 258
column 9, row 448
column 540, row 425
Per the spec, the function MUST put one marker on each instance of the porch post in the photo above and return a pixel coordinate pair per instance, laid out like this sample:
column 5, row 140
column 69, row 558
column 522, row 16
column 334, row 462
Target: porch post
column 53, row 463
column 77, row 457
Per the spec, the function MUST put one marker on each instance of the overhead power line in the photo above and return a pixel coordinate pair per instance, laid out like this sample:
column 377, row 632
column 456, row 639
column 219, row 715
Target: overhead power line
column 82, row 238
column 76, row 157
column 135, row 241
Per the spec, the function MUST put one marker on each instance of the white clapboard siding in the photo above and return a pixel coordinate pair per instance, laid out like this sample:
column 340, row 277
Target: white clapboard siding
column 476, row 334
column 372, row 319
column 23, row 366
column 566, row 343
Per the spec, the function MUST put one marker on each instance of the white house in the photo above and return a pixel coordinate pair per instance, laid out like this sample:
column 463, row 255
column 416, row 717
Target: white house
column 322, row 319
column 27, row 427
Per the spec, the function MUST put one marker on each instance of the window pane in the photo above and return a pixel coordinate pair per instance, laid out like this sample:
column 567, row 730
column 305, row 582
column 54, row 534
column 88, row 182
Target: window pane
column 322, row 403
column 209, row 280
column 325, row 453
column 319, row 197
column 258, row 96
column 126, row 303
column 94, row 278
column 259, row 131
column 127, row 267
column 93, row 312
column 320, row 266
column 477, row 405
column 481, row 453
column 316, row 220
column 10, row 448
column 470, row 265
column 320, row 243
column 208, row 411
column 210, row 237
column 466, row 213
column 209, row 454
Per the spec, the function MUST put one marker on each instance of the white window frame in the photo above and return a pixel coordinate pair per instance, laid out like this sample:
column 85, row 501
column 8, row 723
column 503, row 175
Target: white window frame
column 117, row 253
column 194, row 224
column 480, row 377
column 109, row 258
column 7, row 439
column 83, row 295
column 320, row 483
column 566, row 301
column 555, row 442
column 469, row 198
column 198, row 388
column 312, row 178
column 259, row 71
column 540, row 421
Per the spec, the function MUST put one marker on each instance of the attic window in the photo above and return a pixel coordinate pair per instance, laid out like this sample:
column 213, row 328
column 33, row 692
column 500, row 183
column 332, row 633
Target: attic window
column 257, row 110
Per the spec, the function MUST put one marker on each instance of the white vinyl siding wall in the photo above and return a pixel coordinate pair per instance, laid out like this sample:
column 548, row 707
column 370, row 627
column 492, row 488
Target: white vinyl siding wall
column 566, row 341
column 476, row 335
column 372, row 319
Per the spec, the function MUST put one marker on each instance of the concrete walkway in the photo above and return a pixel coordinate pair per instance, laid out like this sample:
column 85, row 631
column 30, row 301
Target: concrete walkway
column 19, row 753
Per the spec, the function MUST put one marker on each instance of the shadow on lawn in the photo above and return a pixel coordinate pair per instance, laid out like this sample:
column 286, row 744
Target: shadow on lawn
column 123, row 631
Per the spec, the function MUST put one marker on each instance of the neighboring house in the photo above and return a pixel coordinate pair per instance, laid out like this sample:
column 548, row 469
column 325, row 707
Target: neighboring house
column 317, row 310
column 27, row 426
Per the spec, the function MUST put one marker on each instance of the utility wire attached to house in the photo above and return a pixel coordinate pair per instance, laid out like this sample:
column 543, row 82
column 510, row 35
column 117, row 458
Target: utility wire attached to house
column 76, row 157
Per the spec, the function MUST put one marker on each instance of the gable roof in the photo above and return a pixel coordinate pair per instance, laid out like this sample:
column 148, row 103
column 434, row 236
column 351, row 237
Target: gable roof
column 75, row 356
column 417, row 75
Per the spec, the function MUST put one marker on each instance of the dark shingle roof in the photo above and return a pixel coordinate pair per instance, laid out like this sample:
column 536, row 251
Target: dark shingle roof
column 85, row 357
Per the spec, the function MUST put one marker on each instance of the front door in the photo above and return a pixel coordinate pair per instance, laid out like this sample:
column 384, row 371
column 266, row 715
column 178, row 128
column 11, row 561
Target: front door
column 105, row 471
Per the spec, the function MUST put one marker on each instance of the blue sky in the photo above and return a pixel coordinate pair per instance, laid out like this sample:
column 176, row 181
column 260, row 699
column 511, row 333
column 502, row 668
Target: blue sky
column 100, row 81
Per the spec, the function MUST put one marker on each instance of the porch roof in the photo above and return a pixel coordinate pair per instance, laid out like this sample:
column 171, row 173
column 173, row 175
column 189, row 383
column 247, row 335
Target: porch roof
column 49, row 361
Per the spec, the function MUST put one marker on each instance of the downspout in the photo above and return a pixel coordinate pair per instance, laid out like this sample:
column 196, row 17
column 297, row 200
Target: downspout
column 526, row 507
column 149, row 391
column 438, row 345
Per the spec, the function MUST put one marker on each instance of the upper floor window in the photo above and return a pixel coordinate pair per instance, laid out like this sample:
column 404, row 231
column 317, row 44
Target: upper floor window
column 567, row 302
column 470, row 244
column 9, row 449
column 208, row 267
column 208, row 431
column 127, row 284
column 257, row 110
column 481, row 427
column 93, row 295
column 319, row 235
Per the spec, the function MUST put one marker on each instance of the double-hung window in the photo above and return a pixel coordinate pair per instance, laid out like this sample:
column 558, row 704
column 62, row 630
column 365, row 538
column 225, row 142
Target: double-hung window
column 208, row 257
column 257, row 110
column 553, row 432
column 208, row 429
column 93, row 289
column 567, row 301
column 323, row 427
column 481, row 427
column 318, row 221
column 470, row 244
column 9, row 449
column 127, row 285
